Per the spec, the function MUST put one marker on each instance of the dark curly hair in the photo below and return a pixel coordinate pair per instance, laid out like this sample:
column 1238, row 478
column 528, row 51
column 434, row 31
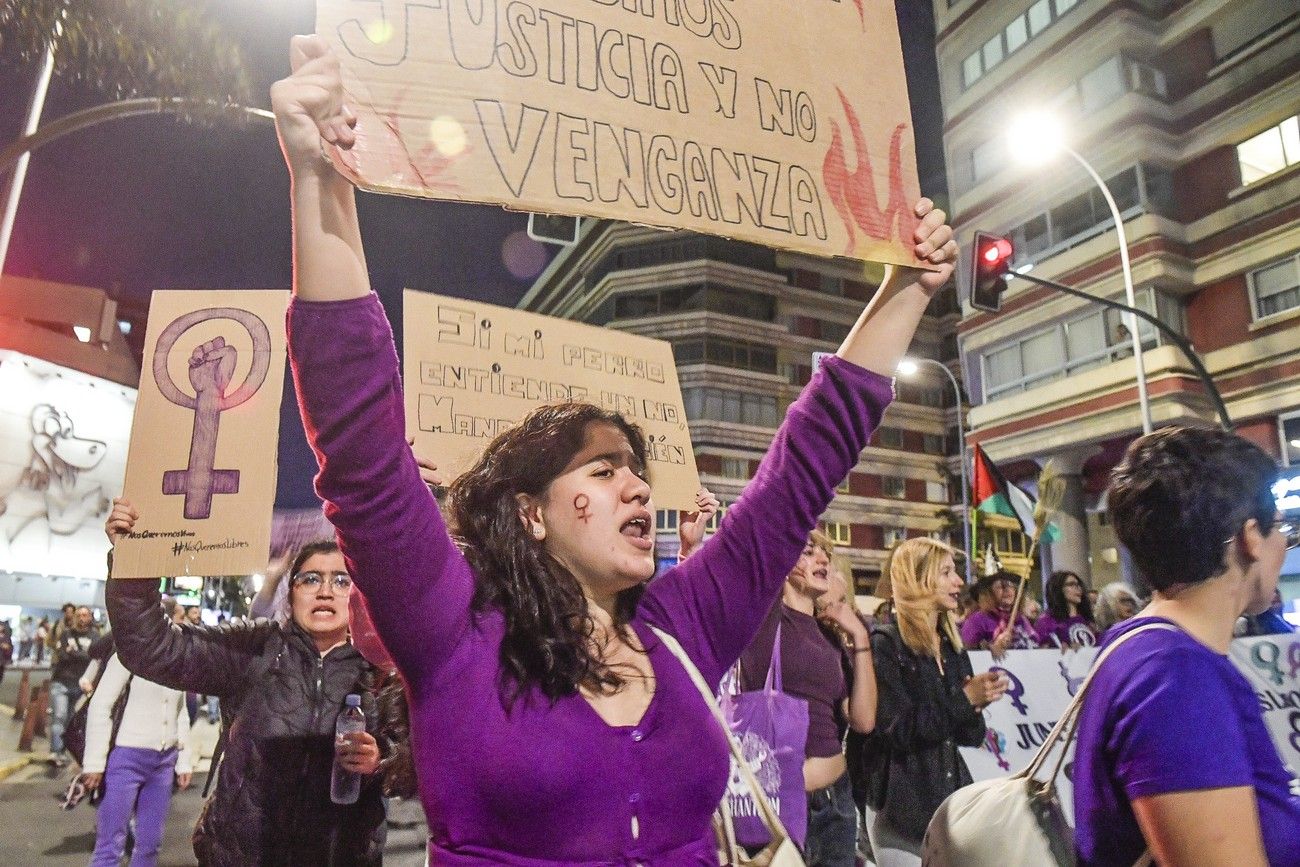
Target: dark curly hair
column 1057, row 605
column 548, row 632
column 1180, row 493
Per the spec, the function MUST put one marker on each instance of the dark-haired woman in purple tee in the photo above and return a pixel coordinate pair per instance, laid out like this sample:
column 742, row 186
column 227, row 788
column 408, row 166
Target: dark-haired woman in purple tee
column 1068, row 620
column 1173, row 755
column 549, row 723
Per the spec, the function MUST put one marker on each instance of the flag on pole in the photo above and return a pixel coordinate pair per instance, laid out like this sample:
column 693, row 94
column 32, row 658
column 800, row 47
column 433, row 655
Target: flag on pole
column 994, row 495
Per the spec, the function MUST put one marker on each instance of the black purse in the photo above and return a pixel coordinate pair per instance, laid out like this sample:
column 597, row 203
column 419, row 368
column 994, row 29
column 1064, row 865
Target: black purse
column 74, row 733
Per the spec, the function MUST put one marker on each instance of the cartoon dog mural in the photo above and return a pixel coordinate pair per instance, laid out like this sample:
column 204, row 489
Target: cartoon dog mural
column 54, row 489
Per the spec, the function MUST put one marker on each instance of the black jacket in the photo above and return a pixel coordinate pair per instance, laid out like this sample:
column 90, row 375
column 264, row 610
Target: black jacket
column 71, row 655
column 279, row 702
column 910, row 763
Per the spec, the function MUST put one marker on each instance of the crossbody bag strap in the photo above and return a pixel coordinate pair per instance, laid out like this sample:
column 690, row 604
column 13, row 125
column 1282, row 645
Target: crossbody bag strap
column 1064, row 730
column 768, row 815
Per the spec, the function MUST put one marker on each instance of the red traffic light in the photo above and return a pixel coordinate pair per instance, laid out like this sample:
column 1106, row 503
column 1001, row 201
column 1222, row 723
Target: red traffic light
column 990, row 265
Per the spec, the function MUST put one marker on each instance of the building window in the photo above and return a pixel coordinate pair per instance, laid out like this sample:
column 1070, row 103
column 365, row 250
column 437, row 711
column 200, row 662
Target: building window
column 716, row 520
column 894, row 535
column 708, row 297
column 1102, row 86
column 894, row 487
column 666, row 520
column 972, row 69
column 987, row 159
column 1073, row 345
column 740, row 354
column 836, row 532
column 844, row 486
column 735, row 468
column 1271, row 151
column 1141, row 189
column 1288, row 429
column 1275, row 288
column 720, row 404
column 1017, row 32
column 890, row 437
column 936, row 492
column 932, row 444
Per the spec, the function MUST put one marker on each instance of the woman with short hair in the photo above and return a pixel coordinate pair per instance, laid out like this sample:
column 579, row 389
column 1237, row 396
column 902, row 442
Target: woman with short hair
column 1173, row 756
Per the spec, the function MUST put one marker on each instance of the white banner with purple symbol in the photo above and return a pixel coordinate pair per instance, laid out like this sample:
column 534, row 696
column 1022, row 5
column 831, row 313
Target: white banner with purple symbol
column 1044, row 681
column 1272, row 665
column 1042, row 684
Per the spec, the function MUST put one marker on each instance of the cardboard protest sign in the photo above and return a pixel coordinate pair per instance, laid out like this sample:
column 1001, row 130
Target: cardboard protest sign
column 472, row 370
column 201, row 466
column 785, row 124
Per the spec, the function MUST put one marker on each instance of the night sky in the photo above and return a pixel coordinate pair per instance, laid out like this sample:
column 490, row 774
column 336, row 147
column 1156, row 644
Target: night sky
column 153, row 203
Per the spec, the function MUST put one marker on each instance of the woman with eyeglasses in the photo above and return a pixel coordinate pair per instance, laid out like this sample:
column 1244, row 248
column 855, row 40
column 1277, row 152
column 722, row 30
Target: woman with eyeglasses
column 1068, row 620
column 1173, row 756
column 282, row 683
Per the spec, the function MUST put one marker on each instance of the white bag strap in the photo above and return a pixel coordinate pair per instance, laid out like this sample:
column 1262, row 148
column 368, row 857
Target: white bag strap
column 1064, row 730
column 768, row 815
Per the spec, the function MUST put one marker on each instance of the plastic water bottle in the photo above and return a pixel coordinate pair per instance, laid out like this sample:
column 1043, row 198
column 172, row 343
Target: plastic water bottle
column 345, row 785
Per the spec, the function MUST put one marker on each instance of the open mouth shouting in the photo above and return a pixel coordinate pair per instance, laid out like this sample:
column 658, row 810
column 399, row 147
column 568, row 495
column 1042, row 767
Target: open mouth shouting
column 639, row 532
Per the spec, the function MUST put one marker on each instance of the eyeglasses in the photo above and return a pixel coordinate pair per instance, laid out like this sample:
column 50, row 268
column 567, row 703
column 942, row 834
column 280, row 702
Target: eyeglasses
column 340, row 581
column 1290, row 532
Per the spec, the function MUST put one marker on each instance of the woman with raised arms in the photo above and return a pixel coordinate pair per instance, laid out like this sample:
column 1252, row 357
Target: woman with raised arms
column 549, row 723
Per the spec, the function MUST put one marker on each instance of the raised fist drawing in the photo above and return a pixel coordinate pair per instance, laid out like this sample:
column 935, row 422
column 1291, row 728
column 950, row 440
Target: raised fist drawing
column 212, row 364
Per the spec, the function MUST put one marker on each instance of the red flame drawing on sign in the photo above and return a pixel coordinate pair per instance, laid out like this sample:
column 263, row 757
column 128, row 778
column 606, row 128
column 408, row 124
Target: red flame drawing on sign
column 854, row 193
column 862, row 14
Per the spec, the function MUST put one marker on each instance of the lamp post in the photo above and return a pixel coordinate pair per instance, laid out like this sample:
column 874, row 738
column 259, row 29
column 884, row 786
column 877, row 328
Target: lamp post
column 1036, row 137
column 908, row 367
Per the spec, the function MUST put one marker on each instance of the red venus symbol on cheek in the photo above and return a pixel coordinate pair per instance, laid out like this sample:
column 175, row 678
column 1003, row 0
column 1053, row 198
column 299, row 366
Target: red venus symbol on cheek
column 582, row 503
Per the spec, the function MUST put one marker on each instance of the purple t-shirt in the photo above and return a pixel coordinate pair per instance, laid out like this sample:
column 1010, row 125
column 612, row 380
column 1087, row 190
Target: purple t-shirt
column 549, row 782
column 979, row 627
column 811, row 668
column 1074, row 630
column 1167, row 714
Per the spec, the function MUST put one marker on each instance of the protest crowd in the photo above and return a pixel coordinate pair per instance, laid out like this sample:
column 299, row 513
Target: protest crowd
column 505, row 652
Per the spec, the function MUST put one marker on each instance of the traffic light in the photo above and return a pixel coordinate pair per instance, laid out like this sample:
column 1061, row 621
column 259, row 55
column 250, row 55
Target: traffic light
column 989, row 267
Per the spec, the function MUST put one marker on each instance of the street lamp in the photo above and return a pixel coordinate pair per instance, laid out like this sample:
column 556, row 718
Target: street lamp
column 908, row 367
column 1034, row 139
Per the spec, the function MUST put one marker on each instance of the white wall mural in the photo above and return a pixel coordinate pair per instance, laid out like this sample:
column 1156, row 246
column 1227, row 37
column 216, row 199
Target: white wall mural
column 63, row 442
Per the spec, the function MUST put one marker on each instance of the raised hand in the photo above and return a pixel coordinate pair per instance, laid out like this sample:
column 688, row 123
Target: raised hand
column 935, row 244
column 690, row 530
column 212, row 364
column 358, row 752
column 309, row 105
column 428, row 469
column 121, row 520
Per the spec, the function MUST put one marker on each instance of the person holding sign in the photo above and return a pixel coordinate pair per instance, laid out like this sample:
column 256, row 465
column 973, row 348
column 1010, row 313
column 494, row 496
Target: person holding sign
column 1068, row 622
column 282, row 684
column 1173, row 756
column 550, row 723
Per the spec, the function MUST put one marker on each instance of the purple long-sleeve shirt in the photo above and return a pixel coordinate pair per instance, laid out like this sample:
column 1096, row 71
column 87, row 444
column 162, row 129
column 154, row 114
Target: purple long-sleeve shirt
column 550, row 782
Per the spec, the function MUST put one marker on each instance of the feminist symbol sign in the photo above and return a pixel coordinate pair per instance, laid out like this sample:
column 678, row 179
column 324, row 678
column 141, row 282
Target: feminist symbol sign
column 211, row 367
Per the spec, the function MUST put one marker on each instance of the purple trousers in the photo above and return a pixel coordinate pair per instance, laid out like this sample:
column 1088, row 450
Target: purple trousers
column 140, row 781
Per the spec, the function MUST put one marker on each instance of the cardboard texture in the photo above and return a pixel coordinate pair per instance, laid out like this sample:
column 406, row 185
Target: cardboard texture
column 472, row 370
column 785, row 124
column 202, row 461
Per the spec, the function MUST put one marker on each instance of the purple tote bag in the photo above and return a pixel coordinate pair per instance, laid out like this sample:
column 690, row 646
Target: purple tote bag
column 771, row 727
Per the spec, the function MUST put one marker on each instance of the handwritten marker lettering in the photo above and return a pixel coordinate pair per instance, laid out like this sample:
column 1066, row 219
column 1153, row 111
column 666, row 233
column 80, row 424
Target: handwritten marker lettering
column 211, row 366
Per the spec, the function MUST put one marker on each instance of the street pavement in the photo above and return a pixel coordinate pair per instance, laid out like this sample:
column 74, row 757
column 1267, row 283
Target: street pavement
column 34, row 830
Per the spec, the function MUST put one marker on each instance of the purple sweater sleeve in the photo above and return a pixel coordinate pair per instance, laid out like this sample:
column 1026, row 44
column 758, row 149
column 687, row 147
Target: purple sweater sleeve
column 715, row 601
column 417, row 585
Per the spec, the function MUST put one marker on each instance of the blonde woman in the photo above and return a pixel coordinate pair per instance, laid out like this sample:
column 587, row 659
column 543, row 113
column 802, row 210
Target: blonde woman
column 929, row 702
